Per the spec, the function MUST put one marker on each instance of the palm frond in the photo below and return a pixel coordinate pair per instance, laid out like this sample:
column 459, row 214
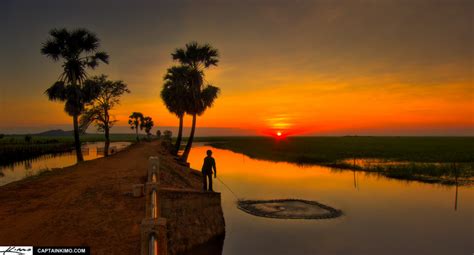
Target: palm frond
column 208, row 96
column 57, row 92
column 51, row 49
column 86, row 39
column 74, row 71
column 196, row 55
column 101, row 56
column 72, row 45
column 90, row 91
column 179, row 55
column 73, row 107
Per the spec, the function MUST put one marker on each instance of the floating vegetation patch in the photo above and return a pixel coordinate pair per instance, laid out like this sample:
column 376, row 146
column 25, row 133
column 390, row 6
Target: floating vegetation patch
column 288, row 209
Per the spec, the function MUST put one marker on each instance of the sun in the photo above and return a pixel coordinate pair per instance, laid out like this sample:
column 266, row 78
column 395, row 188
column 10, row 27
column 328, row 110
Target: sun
column 279, row 133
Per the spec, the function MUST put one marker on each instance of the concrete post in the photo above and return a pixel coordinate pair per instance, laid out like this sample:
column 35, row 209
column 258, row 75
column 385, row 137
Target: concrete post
column 154, row 237
column 154, row 169
column 154, row 233
column 152, row 204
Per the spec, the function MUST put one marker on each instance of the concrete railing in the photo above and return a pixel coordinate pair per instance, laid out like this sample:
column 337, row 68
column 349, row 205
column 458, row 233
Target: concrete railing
column 153, row 227
column 176, row 219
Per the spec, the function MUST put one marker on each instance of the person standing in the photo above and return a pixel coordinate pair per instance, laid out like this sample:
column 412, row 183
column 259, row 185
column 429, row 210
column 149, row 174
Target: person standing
column 207, row 169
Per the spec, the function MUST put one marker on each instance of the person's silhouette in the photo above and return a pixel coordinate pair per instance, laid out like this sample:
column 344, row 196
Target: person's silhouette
column 207, row 167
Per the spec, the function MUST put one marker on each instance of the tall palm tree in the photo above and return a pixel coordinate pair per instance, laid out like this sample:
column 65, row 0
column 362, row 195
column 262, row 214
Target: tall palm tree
column 198, row 58
column 78, row 50
column 98, row 111
column 135, row 120
column 175, row 95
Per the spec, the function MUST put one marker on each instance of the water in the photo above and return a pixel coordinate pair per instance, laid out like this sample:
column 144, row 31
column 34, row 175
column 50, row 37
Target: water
column 381, row 216
column 30, row 167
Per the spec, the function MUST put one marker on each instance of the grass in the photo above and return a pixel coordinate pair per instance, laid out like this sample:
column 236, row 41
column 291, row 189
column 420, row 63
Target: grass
column 438, row 159
column 20, row 139
column 15, row 148
column 10, row 153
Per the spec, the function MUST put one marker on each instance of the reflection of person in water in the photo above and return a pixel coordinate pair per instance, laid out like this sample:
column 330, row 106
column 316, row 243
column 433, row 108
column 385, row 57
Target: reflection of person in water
column 207, row 167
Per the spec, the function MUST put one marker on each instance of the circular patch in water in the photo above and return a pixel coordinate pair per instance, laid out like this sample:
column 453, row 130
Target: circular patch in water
column 288, row 209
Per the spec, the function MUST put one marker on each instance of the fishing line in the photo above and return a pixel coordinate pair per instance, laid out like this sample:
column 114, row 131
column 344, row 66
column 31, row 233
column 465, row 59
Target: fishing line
column 233, row 193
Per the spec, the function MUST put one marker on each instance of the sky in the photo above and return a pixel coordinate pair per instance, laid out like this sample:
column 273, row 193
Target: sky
column 343, row 67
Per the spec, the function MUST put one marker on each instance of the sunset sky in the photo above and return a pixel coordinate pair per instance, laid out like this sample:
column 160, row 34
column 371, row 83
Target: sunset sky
column 298, row 67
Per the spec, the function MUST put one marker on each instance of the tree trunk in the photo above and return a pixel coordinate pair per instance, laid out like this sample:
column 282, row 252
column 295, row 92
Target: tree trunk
column 190, row 141
column 77, row 141
column 106, row 130
column 107, row 140
column 136, row 131
column 180, row 135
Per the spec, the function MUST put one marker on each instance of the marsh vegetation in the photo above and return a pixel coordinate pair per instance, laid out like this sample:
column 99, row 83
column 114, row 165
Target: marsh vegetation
column 15, row 148
column 22, row 167
column 429, row 159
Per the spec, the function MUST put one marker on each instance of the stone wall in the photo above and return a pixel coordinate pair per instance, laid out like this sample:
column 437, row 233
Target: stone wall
column 193, row 217
column 177, row 219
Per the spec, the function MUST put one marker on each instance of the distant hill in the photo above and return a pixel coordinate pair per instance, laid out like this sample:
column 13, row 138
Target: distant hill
column 56, row 132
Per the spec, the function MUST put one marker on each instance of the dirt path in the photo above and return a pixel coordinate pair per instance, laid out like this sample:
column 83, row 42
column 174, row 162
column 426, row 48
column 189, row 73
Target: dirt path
column 87, row 204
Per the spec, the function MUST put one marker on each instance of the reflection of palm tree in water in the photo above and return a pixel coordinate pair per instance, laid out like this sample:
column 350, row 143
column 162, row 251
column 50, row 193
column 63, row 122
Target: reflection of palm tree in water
column 356, row 179
column 457, row 184
column 456, row 196
column 354, row 171
column 355, row 183
column 28, row 165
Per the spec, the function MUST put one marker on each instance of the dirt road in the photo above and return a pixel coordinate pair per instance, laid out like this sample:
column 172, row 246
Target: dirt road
column 87, row 204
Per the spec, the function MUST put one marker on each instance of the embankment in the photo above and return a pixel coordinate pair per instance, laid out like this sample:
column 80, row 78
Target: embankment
column 90, row 204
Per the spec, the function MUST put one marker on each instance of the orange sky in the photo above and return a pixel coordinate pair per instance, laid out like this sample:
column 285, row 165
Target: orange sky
column 318, row 68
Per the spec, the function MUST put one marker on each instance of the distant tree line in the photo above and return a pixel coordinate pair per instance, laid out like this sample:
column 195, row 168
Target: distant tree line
column 138, row 121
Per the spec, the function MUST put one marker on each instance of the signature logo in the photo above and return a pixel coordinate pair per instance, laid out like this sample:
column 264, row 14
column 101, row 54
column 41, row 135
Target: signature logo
column 16, row 250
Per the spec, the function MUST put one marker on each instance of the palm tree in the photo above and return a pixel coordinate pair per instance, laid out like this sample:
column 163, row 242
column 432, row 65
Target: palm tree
column 98, row 111
column 135, row 120
column 197, row 57
column 175, row 96
column 147, row 124
column 78, row 50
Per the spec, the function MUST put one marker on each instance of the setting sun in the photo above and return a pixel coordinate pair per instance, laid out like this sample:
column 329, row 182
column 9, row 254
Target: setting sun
column 278, row 133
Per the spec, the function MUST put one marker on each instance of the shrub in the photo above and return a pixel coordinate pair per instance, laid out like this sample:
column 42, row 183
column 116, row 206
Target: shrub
column 28, row 138
column 167, row 134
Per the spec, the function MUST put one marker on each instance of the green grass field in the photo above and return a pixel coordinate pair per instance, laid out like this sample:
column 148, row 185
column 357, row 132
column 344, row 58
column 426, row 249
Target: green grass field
column 433, row 159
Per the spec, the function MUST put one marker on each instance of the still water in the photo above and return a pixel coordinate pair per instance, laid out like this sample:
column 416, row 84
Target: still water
column 25, row 168
column 381, row 216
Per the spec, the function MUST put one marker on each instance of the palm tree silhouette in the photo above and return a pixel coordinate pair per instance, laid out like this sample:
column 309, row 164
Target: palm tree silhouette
column 175, row 95
column 98, row 111
column 78, row 50
column 198, row 58
column 135, row 120
column 147, row 124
